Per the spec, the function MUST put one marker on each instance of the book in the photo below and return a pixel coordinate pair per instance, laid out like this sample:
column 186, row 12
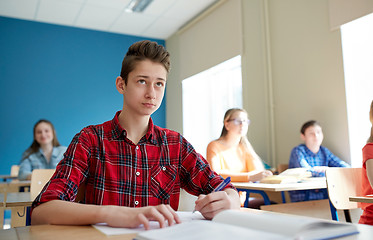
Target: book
column 291, row 175
column 277, row 179
column 297, row 172
column 184, row 217
column 253, row 224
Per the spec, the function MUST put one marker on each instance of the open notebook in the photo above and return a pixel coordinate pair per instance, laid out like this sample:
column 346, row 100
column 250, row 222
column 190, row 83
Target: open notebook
column 184, row 217
column 291, row 175
column 231, row 224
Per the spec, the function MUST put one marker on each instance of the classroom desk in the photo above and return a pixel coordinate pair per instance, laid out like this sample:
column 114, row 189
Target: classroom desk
column 19, row 203
column 261, row 188
column 5, row 178
column 58, row 232
column 44, row 232
column 18, row 199
column 14, row 186
column 364, row 199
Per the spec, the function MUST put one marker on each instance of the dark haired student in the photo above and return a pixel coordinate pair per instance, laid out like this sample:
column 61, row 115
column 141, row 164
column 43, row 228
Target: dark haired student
column 314, row 157
column 132, row 170
column 45, row 151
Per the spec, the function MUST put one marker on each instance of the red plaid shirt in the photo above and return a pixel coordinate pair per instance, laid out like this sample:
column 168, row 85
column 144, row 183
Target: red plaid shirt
column 118, row 172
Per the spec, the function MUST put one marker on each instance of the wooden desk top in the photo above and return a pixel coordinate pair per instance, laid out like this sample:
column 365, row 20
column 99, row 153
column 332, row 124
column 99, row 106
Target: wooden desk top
column 305, row 185
column 13, row 186
column 60, row 232
column 18, row 199
column 364, row 199
column 6, row 177
column 15, row 183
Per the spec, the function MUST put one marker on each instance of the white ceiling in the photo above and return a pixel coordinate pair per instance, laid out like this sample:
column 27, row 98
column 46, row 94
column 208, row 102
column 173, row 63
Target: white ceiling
column 160, row 20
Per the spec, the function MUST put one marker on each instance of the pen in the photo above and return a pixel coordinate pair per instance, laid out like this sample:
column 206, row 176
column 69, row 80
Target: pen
column 221, row 186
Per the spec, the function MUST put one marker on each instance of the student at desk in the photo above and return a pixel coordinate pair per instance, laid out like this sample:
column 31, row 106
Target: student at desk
column 132, row 170
column 232, row 154
column 367, row 175
column 314, row 157
column 45, row 151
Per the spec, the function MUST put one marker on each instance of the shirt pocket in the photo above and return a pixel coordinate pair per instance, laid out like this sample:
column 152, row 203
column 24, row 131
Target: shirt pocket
column 163, row 181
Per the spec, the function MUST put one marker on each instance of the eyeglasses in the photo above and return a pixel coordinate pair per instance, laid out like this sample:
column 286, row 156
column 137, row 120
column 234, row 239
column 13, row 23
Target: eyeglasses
column 240, row 122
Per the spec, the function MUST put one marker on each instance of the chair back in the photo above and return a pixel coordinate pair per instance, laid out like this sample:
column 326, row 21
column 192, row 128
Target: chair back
column 343, row 183
column 39, row 177
column 14, row 170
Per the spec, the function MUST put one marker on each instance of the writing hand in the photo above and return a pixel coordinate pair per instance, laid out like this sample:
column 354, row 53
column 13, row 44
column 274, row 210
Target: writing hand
column 215, row 202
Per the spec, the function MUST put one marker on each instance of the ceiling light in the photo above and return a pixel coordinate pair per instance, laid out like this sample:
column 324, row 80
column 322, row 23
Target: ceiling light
column 137, row 5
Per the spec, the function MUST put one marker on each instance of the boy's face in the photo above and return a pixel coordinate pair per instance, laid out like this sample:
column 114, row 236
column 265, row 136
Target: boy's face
column 313, row 136
column 145, row 87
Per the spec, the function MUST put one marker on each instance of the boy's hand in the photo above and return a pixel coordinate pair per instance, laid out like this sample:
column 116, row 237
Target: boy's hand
column 117, row 216
column 320, row 168
column 215, row 202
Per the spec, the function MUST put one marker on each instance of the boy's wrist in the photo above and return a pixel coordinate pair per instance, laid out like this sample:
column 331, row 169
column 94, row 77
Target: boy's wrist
column 102, row 213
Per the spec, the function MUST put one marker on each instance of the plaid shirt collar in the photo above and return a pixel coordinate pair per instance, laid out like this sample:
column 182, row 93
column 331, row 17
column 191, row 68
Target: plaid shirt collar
column 118, row 132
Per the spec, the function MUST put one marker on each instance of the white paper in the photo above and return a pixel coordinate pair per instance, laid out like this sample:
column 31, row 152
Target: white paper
column 184, row 217
column 207, row 230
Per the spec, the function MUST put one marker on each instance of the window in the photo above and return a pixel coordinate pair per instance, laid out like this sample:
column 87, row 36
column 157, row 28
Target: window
column 357, row 45
column 206, row 97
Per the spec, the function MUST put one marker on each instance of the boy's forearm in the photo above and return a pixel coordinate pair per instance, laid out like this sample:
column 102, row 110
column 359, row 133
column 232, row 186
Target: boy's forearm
column 66, row 213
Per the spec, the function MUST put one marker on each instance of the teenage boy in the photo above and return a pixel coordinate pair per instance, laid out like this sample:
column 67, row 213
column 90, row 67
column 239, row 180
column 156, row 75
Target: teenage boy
column 314, row 157
column 131, row 170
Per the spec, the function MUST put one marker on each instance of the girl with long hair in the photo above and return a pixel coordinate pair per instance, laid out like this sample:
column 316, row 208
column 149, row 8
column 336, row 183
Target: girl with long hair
column 232, row 154
column 45, row 151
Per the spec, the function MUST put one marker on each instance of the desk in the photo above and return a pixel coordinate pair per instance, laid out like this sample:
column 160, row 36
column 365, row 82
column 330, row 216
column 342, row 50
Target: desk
column 60, row 232
column 19, row 199
column 249, row 187
column 364, row 199
column 19, row 203
column 7, row 177
column 14, row 186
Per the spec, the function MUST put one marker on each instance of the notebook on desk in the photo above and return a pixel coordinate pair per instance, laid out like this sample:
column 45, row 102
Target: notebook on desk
column 233, row 224
column 291, row 175
column 107, row 230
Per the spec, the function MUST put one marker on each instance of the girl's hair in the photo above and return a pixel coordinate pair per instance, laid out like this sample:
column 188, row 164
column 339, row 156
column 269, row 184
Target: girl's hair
column 243, row 141
column 370, row 139
column 35, row 145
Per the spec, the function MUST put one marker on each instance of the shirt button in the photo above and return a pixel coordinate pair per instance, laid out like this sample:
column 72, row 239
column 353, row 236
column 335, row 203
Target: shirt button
column 137, row 147
column 164, row 168
column 136, row 203
column 137, row 173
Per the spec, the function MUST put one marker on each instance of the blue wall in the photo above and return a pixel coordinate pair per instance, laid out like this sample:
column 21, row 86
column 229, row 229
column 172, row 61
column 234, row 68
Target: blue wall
column 66, row 75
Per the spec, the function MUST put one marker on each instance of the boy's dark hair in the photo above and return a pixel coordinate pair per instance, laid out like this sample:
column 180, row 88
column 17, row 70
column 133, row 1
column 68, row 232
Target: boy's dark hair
column 309, row 124
column 143, row 50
